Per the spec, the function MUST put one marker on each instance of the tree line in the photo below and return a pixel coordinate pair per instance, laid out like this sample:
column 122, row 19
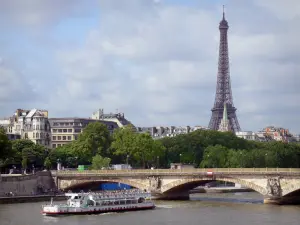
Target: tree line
column 96, row 147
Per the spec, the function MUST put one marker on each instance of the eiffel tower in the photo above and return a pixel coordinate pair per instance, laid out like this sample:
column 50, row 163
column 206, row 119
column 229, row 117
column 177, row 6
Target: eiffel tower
column 223, row 90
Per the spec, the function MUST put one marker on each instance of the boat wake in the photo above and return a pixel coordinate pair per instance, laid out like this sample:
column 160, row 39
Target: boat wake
column 165, row 206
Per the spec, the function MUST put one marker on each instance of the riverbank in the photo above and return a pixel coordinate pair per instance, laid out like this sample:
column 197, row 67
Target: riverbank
column 25, row 199
column 220, row 190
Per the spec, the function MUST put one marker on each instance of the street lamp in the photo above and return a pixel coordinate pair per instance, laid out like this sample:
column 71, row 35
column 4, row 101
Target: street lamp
column 157, row 162
column 33, row 168
column 58, row 164
column 127, row 158
column 180, row 157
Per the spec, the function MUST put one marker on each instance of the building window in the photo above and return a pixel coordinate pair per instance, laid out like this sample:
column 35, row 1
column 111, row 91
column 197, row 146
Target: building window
column 59, row 130
column 37, row 135
column 58, row 145
column 37, row 127
column 33, row 135
column 69, row 138
column 65, row 130
column 64, row 138
column 53, row 145
column 75, row 137
column 77, row 130
column 59, row 138
column 69, row 130
column 54, row 130
column 54, row 138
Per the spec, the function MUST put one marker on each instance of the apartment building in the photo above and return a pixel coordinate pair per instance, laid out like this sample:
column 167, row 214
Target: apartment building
column 171, row 131
column 118, row 118
column 66, row 130
column 29, row 124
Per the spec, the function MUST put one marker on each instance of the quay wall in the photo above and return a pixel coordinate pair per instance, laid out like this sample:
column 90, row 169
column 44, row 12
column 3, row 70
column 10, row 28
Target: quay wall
column 25, row 199
column 25, row 185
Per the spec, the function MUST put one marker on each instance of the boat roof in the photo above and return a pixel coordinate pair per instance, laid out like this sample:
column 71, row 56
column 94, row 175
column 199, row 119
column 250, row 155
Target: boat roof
column 74, row 194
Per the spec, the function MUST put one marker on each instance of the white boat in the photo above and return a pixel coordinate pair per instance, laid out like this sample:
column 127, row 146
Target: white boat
column 103, row 202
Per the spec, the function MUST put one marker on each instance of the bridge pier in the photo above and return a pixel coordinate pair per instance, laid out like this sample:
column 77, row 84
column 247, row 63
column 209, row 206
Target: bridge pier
column 182, row 195
column 291, row 200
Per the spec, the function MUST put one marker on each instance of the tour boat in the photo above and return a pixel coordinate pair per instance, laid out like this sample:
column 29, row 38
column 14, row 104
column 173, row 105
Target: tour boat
column 103, row 202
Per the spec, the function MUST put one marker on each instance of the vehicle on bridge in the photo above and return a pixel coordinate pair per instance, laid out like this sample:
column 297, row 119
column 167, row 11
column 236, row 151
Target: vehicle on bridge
column 103, row 202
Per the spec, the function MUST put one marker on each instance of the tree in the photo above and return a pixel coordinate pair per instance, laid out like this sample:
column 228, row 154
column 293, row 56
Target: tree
column 123, row 141
column 140, row 147
column 146, row 150
column 215, row 156
column 99, row 162
column 47, row 163
column 5, row 146
column 96, row 138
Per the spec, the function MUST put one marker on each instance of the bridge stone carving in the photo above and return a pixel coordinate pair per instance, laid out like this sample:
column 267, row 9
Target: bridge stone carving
column 274, row 187
column 273, row 184
column 154, row 183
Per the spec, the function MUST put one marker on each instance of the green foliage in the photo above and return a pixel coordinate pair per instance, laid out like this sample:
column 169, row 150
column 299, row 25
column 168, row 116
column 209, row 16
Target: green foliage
column 140, row 148
column 5, row 147
column 206, row 148
column 123, row 141
column 34, row 153
column 47, row 163
column 24, row 163
column 95, row 139
column 99, row 162
column 202, row 148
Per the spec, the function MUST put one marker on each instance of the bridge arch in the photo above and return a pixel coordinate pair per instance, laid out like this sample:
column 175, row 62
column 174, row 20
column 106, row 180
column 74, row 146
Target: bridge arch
column 291, row 188
column 82, row 183
column 188, row 184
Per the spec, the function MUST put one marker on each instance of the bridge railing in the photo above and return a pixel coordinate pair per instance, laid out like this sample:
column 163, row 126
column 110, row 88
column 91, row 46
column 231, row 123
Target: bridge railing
column 178, row 171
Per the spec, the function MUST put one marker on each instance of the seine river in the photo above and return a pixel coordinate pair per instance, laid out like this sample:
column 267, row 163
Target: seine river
column 203, row 209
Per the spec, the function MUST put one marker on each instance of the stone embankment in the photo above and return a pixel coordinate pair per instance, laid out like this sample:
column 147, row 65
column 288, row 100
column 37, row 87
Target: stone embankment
column 27, row 187
column 36, row 198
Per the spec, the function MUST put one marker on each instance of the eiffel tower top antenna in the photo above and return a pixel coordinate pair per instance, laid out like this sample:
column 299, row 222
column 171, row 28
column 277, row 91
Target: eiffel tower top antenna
column 223, row 12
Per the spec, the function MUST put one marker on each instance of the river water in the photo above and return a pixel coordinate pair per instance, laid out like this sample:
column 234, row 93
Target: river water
column 202, row 209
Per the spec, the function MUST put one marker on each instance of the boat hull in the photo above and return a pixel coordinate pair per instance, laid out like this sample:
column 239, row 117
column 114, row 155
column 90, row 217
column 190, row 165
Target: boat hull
column 94, row 210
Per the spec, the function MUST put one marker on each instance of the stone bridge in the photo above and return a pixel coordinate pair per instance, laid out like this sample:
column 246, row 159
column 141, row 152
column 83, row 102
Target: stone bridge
column 277, row 185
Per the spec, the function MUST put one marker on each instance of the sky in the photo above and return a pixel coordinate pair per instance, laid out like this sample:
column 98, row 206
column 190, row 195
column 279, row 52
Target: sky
column 154, row 60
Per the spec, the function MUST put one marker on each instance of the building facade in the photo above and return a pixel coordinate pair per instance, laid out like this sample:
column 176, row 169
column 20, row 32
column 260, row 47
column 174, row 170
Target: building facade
column 118, row 118
column 248, row 135
column 66, row 130
column 171, row 131
column 29, row 124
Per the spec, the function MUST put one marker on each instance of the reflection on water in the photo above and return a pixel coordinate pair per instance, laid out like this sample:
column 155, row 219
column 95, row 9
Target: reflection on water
column 215, row 209
column 242, row 197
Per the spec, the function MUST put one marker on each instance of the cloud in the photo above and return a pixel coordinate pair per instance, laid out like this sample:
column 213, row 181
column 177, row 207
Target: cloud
column 157, row 61
column 37, row 13
column 13, row 86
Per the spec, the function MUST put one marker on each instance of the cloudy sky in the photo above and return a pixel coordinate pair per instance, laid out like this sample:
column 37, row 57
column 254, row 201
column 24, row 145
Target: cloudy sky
column 154, row 60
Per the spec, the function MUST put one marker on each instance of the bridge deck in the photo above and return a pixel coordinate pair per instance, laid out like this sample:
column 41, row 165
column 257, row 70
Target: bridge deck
column 150, row 172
